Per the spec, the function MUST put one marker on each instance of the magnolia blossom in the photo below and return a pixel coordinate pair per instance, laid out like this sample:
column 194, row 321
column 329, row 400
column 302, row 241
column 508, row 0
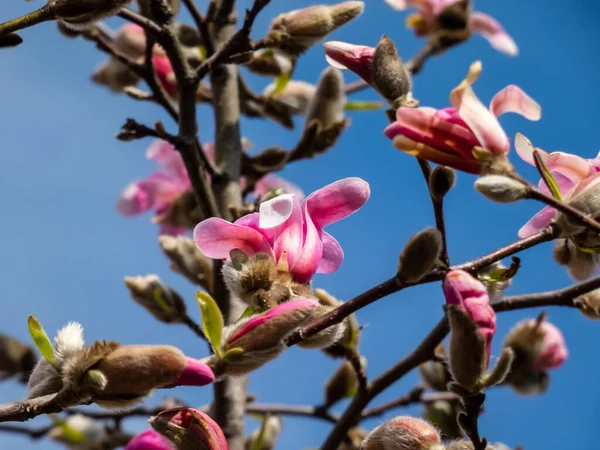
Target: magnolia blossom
column 466, row 136
column 425, row 22
column 290, row 232
column 149, row 440
column 190, row 429
column 568, row 171
column 159, row 191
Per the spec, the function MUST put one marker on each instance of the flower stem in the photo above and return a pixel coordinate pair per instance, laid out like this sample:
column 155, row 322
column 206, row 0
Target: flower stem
column 43, row 14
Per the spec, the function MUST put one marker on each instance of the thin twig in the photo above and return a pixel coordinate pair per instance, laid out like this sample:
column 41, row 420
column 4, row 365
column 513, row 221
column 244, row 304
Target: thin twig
column 33, row 433
column 192, row 325
column 201, row 24
column 144, row 22
column 416, row 395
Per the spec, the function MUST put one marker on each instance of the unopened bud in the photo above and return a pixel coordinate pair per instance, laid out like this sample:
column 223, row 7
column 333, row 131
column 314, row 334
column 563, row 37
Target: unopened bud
column 79, row 432
column 390, row 76
column 356, row 58
column 16, row 358
column 79, row 14
column 497, row 278
column 441, row 180
column 297, row 95
column 435, row 375
column 267, row 434
column 341, row 384
column 165, row 75
column 420, row 255
column 589, row 304
column 403, row 433
column 353, row 439
column 164, row 303
column 188, row 35
column 501, row 189
column 269, row 63
column 442, row 414
column 190, row 429
column 327, row 105
column 327, row 337
column 295, row 31
column 351, row 336
column 149, row 440
column 10, row 40
column 187, row 260
column 581, row 264
column 465, row 444
column 115, row 75
column 472, row 324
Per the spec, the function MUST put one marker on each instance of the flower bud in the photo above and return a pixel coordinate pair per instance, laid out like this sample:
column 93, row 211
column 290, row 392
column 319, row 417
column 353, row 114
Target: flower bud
column 190, row 429
column 268, row 434
column 350, row 339
column 472, row 324
column 442, row 414
column 353, row 439
column 270, row 63
column 356, row 58
column 164, row 303
column 403, row 433
column 187, row 260
column 341, row 384
column 327, row 105
column 149, row 440
column 297, row 95
column 10, row 40
column 435, row 375
column 589, row 304
column 581, row 264
column 500, row 189
column 16, row 358
column 165, row 75
column 420, row 255
column 295, row 31
column 81, row 14
column 327, row 337
column 79, row 432
column 390, row 76
column 441, row 180
column 115, row 75
column 468, row 445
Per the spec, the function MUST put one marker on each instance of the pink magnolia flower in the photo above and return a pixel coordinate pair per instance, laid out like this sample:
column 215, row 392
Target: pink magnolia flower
column 469, row 294
column 466, row 136
column 191, row 427
column 480, row 23
column 356, row 58
column 568, row 170
column 163, row 187
column 149, row 440
column 290, row 232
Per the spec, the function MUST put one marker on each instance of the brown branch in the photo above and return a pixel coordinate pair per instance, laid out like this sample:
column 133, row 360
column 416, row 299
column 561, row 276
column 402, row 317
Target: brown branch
column 292, row 410
column 28, row 409
column 144, row 22
column 416, row 395
column 201, row 24
column 192, row 325
column 33, row 433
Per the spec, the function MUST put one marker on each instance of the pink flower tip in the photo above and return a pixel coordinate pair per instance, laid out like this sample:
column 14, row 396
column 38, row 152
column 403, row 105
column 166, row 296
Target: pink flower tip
column 203, row 431
column 149, row 440
column 553, row 351
column 196, row 373
column 356, row 58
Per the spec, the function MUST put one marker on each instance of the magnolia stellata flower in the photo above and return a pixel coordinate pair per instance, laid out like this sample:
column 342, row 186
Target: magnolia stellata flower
column 89, row 434
column 267, row 434
column 427, row 22
column 149, row 440
column 472, row 324
column 290, row 232
column 539, row 346
column 168, row 191
column 16, row 358
column 466, row 136
column 190, row 429
column 113, row 375
column 403, row 433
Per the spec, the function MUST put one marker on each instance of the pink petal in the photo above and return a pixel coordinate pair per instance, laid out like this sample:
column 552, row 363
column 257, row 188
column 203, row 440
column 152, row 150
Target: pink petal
column 571, row 166
column 165, row 154
column 513, row 99
column 491, row 30
column 196, row 373
column 336, row 201
column 541, row 220
column 149, row 440
column 554, row 349
column 282, row 308
column 480, row 120
column 155, row 192
column 131, row 40
column 133, row 200
column 271, row 182
column 524, row 149
column 333, row 255
column 356, row 58
column 252, row 220
column 216, row 238
column 307, row 263
column 564, row 184
column 585, row 184
column 283, row 216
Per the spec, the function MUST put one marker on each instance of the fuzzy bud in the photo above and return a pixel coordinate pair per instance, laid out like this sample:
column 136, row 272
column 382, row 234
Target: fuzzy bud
column 580, row 264
column 442, row 414
column 164, row 303
column 16, row 358
column 468, row 445
column 472, row 324
column 350, row 339
column 501, row 189
column 81, row 14
column 295, row 31
column 420, row 255
column 79, row 432
column 187, row 260
column 149, row 440
column 341, row 384
column 268, row 433
column 190, row 429
column 538, row 346
column 589, row 304
column 327, row 105
column 353, row 439
column 296, row 95
column 115, row 75
column 390, row 76
column 435, row 375
column 327, row 337
column 403, row 433
column 270, row 63
column 441, row 180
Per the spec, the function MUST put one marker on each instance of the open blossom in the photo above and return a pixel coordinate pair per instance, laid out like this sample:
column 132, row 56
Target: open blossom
column 466, row 136
column 425, row 22
column 290, row 232
column 160, row 190
column 568, row 171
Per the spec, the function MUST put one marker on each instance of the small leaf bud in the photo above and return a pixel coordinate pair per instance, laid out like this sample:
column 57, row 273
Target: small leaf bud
column 501, row 189
column 419, row 255
column 164, row 303
column 441, row 180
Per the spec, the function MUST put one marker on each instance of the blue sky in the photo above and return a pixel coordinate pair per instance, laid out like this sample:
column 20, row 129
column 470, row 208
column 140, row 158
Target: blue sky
column 64, row 250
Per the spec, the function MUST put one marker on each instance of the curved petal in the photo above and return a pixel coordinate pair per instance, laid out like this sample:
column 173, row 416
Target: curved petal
column 216, row 238
column 308, row 261
column 564, row 184
column 357, row 58
column 133, row 200
column 541, row 220
column 283, row 216
column 165, row 154
column 513, row 99
column 524, row 149
column 333, row 255
column 252, row 220
column 336, row 201
column 491, row 30
column 271, row 182
column 155, row 192
column 571, row 166
column 401, row 5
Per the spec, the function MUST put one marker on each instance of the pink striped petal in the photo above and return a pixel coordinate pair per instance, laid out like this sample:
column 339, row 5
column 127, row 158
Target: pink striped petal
column 283, row 216
column 588, row 183
column 541, row 220
column 216, row 238
column 165, row 154
column 271, row 182
column 336, row 201
column 513, row 99
column 333, row 255
column 491, row 30
column 307, row 263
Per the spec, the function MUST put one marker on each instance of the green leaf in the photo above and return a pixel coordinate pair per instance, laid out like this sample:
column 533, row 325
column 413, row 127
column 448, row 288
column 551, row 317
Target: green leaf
column 281, row 82
column 546, row 175
column 261, row 435
column 160, row 301
column 233, row 353
column 504, row 274
column 69, row 434
column 351, row 392
column 212, row 320
column 249, row 311
column 362, row 106
column 41, row 339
